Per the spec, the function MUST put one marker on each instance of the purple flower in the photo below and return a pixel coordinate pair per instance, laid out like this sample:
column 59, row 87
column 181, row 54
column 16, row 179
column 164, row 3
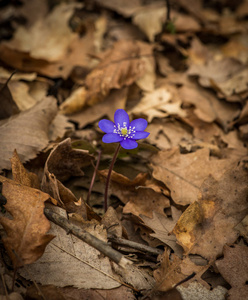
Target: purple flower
column 122, row 131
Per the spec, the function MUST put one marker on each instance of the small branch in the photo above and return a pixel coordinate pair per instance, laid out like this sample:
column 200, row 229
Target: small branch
column 106, row 204
column 88, row 238
column 134, row 245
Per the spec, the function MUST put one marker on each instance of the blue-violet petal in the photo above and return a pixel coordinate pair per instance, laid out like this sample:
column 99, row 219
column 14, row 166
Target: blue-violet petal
column 122, row 118
column 140, row 135
column 112, row 138
column 139, row 124
column 106, row 126
column 129, row 144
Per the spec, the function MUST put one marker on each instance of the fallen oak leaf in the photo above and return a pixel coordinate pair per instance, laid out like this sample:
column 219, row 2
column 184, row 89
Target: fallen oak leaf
column 21, row 175
column 163, row 226
column 173, row 270
column 26, row 238
column 183, row 174
column 158, row 103
column 234, row 268
column 209, row 223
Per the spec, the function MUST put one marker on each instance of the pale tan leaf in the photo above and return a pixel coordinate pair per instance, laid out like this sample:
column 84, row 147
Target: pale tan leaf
column 48, row 38
column 158, row 103
column 115, row 100
column 27, row 132
column 150, row 20
column 68, row 261
column 20, row 93
column 75, row 102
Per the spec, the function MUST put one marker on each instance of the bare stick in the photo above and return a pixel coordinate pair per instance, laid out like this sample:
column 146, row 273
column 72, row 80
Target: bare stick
column 135, row 245
column 108, row 177
column 88, row 238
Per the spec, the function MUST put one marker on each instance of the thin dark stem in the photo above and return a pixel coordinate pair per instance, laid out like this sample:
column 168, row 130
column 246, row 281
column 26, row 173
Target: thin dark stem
column 168, row 11
column 94, row 176
column 108, row 177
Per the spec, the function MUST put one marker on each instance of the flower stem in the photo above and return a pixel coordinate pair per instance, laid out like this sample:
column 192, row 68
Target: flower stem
column 94, row 175
column 108, row 177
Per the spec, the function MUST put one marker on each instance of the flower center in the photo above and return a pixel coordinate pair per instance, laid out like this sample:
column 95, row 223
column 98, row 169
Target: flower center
column 124, row 131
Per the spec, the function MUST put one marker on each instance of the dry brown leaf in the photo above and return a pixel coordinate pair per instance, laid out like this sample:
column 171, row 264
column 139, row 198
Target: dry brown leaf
column 77, row 55
column 125, row 8
column 26, row 238
column 21, row 175
column 199, row 291
column 115, row 100
column 72, row 293
column 68, row 261
column 112, row 223
column 141, row 201
column 125, row 181
column 62, row 163
column 209, row 223
column 234, row 85
column 27, row 132
column 184, row 22
column 75, row 102
column 48, row 38
column 158, row 103
column 163, row 226
column 120, row 66
column 172, row 271
column 183, row 174
column 207, row 107
column 59, row 127
column 138, row 194
column 20, row 93
column 167, row 134
column 12, row 296
column 234, row 268
column 237, row 48
column 215, row 70
column 150, row 20
column 8, row 105
column 5, row 74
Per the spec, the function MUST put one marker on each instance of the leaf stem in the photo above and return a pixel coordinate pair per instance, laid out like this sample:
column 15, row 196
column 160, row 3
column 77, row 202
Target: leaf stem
column 108, row 177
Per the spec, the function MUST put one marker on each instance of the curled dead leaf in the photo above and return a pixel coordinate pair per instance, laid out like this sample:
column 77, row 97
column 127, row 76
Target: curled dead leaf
column 26, row 238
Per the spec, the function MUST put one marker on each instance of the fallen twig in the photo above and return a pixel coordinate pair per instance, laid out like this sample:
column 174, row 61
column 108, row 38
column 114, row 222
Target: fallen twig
column 135, row 245
column 88, row 238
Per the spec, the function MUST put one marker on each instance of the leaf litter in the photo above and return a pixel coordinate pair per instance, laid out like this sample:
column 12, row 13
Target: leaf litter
column 181, row 193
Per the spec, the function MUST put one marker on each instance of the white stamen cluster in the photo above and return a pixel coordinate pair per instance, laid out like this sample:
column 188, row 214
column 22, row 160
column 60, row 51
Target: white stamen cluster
column 130, row 131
